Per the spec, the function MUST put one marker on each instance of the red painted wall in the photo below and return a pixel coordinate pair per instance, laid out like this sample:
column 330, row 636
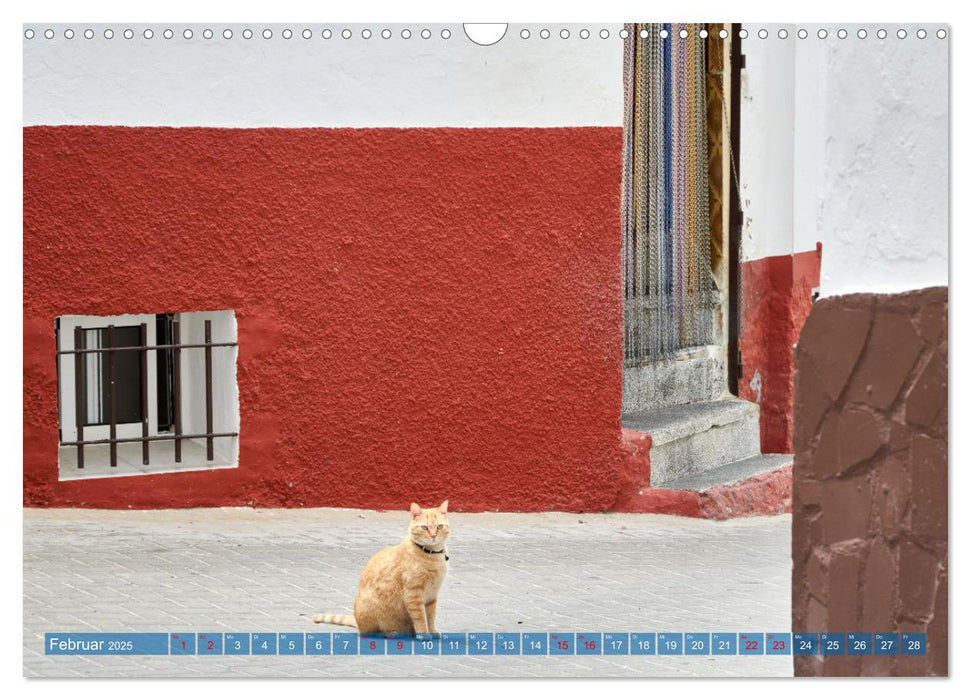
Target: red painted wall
column 776, row 299
column 423, row 314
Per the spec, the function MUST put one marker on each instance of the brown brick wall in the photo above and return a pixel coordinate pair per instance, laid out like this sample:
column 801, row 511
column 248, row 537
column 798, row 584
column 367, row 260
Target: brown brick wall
column 869, row 514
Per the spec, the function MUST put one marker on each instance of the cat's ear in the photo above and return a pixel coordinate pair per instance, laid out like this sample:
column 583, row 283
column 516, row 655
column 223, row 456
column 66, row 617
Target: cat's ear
column 415, row 510
column 443, row 509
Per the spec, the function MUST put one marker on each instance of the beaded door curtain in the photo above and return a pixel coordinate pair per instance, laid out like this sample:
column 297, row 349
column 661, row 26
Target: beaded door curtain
column 667, row 283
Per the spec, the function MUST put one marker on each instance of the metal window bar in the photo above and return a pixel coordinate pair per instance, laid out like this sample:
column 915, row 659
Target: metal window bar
column 79, row 405
column 143, row 348
column 143, row 338
column 177, row 388
column 112, row 411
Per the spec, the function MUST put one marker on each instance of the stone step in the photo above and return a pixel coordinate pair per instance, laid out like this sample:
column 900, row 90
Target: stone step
column 694, row 438
column 729, row 474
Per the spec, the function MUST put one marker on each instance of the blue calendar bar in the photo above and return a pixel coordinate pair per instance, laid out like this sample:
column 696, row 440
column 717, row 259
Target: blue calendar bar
column 291, row 643
column 535, row 643
column 643, row 642
column 372, row 644
column 724, row 643
column 751, row 643
column 697, row 643
column 487, row 643
column 264, row 643
column 237, row 643
column 913, row 643
column 344, row 643
column 562, row 643
column 778, row 643
column 106, row 644
column 590, row 643
column 886, row 643
column 481, row 643
column 832, row 643
column 210, row 643
column 805, row 644
column 400, row 644
column 859, row 643
column 427, row 645
column 182, row 643
column 617, row 643
column 453, row 643
column 319, row 644
column 509, row 643
column 670, row 643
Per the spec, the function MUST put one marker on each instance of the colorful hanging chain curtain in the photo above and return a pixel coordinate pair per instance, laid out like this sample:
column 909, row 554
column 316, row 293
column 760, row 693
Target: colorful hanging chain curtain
column 667, row 282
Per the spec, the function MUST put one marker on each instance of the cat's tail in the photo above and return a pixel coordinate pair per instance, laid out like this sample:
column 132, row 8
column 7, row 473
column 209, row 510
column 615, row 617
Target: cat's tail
column 331, row 619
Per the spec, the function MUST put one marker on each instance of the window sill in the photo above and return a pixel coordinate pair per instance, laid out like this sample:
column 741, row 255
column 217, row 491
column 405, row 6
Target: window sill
column 96, row 459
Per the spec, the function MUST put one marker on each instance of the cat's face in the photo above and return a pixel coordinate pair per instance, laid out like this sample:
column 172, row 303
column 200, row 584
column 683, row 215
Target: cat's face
column 429, row 526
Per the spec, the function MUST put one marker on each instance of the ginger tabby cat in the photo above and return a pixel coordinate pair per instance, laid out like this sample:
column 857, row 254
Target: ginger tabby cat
column 398, row 591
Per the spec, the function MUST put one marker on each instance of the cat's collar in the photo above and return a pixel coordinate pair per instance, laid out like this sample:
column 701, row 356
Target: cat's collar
column 426, row 550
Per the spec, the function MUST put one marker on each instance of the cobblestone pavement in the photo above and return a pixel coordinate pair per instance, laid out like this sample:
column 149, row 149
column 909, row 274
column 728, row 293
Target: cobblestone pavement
column 243, row 570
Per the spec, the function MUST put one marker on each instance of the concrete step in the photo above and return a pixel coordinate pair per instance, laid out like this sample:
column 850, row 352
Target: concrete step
column 761, row 486
column 730, row 474
column 692, row 377
column 695, row 438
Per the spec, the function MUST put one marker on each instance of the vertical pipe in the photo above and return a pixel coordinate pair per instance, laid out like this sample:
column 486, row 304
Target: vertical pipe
column 209, row 445
column 112, row 415
column 79, row 393
column 177, row 387
column 144, row 353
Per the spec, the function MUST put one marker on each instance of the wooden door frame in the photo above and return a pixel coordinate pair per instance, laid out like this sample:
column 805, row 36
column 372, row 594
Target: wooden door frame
column 735, row 217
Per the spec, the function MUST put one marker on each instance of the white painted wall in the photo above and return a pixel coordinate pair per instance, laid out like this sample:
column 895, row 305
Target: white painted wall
column 319, row 82
column 884, row 215
column 845, row 141
column 766, row 142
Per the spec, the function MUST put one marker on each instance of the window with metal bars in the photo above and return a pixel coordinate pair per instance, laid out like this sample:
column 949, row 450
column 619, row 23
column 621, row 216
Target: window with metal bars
column 669, row 293
column 146, row 393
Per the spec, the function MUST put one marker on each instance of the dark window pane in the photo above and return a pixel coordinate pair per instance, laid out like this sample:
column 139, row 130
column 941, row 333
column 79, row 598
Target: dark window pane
column 165, row 376
column 128, row 377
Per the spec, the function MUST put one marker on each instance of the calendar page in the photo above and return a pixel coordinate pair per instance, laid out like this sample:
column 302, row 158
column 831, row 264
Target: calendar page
column 545, row 349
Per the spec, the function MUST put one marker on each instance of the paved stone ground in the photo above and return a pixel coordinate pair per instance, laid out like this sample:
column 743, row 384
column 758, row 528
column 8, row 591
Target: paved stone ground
column 248, row 570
